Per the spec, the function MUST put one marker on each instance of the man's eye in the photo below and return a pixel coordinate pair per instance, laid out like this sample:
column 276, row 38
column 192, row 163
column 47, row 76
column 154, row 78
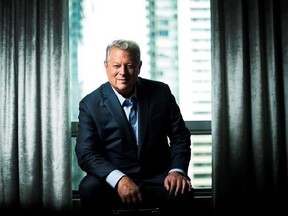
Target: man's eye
column 116, row 66
column 130, row 66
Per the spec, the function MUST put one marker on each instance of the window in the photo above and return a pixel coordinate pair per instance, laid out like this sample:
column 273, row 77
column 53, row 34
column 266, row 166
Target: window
column 174, row 37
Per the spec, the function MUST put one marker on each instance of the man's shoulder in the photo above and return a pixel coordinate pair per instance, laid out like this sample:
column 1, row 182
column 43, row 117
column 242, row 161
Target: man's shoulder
column 151, row 83
column 96, row 94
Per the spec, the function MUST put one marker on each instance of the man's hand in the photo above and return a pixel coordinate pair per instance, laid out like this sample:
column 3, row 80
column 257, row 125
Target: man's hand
column 128, row 191
column 177, row 184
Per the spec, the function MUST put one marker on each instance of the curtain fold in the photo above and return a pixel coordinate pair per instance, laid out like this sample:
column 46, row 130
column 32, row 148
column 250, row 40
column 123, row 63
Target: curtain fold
column 250, row 112
column 35, row 168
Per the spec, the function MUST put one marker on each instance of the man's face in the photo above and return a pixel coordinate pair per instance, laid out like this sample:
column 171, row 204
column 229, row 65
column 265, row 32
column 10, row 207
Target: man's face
column 121, row 71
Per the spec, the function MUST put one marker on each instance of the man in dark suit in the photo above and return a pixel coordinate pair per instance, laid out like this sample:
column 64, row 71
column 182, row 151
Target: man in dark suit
column 140, row 165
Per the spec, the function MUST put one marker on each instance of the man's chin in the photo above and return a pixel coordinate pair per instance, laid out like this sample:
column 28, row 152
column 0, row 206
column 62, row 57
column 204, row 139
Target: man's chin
column 125, row 92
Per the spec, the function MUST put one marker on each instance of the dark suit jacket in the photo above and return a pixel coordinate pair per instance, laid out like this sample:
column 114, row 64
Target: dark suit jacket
column 105, row 143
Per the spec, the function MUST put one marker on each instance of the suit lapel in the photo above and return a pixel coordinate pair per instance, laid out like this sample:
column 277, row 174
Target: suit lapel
column 112, row 103
column 142, row 114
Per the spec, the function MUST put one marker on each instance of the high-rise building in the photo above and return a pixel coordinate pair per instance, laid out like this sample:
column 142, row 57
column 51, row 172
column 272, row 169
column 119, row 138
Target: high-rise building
column 180, row 54
column 163, row 42
column 75, row 37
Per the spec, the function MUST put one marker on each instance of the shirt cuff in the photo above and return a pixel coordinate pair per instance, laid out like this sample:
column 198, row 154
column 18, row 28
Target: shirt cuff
column 114, row 177
column 177, row 170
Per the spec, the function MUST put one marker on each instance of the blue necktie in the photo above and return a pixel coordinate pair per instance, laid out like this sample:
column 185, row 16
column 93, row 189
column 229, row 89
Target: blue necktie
column 132, row 104
column 133, row 116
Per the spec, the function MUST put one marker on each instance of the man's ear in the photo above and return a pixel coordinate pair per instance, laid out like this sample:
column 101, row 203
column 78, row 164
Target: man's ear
column 139, row 66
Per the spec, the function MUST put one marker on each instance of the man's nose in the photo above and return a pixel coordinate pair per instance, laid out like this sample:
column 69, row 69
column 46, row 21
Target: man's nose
column 123, row 69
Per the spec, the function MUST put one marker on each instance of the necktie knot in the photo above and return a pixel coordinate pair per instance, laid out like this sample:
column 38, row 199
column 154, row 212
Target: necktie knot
column 130, row 103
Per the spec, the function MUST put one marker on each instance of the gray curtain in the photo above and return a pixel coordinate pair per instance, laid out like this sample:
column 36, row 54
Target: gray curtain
column 250, row 106
column 35, row 149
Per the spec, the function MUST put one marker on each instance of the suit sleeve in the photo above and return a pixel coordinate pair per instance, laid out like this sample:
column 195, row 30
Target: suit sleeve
column 88, row 144
column 179, row 137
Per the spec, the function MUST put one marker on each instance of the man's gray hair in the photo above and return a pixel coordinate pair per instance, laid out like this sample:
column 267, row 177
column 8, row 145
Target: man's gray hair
column 128, row 45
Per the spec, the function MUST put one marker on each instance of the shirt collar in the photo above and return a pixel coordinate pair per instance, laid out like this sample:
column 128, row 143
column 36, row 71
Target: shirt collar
column 121, row 98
